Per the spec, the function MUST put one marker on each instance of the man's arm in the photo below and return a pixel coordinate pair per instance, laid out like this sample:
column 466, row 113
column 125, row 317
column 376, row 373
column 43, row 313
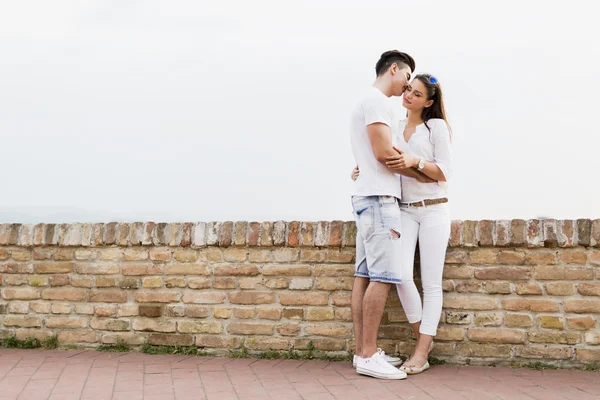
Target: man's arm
column 413, row 173
column 380, row 136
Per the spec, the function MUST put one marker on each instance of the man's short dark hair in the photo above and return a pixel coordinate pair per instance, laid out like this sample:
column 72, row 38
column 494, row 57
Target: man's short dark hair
column 394, row 57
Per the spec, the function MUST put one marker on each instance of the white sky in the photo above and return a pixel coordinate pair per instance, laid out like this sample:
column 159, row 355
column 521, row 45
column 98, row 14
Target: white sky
column 239, row 110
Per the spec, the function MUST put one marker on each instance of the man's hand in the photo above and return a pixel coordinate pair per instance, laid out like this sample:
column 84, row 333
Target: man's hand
column 355, row 173
column 401, row 160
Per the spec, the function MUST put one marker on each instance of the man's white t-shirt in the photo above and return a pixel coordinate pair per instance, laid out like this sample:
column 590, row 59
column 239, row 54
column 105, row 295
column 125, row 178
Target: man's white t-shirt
column 374, row 179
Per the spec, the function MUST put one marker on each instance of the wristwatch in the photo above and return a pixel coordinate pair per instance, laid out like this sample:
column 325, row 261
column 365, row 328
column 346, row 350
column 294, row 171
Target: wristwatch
column 421, row 164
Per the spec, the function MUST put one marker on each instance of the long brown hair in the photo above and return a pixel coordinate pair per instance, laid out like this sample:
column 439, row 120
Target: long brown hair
column 434, row 92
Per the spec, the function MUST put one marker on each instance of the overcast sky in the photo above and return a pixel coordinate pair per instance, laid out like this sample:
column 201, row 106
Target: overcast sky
column 239, row 110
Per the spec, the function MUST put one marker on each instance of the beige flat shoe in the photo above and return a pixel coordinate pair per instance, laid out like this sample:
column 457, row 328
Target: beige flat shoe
column 414, row 370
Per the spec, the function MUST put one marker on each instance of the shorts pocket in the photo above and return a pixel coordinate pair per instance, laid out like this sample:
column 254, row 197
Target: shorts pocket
column 365, row 220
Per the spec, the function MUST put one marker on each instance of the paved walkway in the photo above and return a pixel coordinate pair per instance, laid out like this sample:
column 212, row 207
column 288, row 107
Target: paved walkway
column 85, row 374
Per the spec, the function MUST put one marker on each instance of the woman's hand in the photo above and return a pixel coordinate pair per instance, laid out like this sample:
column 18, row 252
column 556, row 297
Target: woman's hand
column 401, row 160
column 355, row 173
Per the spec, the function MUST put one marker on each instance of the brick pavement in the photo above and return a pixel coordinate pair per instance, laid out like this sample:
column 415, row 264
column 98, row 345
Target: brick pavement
column 91, row 375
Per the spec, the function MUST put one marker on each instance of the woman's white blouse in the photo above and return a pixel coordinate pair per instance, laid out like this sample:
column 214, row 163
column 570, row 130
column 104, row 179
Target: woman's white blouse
column 432, row 146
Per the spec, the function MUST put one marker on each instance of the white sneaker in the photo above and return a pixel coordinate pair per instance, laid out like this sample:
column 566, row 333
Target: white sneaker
column 377, row 367
column 395, row 361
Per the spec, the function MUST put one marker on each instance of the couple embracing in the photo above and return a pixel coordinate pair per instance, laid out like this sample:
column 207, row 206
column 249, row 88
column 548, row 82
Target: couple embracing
column 399, row 198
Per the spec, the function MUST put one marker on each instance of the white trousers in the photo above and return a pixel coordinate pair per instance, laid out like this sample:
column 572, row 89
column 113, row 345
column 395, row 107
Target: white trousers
column 431, row 227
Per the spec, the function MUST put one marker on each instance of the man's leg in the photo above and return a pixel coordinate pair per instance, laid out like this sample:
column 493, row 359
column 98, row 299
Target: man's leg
column 358, row 293
column 372, row 308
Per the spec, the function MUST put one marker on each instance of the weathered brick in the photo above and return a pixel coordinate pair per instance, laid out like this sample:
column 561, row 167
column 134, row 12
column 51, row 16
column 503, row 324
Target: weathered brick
column 126, row 310
column 592, row 338
column 482, row 256
column 131, row 338
column 204, row 298
column 488, row 319
column 528, row 288
column 141, row 269
column 484, row 350
column 22, row 321
column 61, row 308
column 549, row 272
column 329, row 330
column 250, row 283
column 215, row 341
column 97, row 269
column 333, row 270
column 224, row 283
column 222, row 313
column 301, row 283
column 550, row 229
column 293, row 313
column 105, row 311
column 252, row 298
column 160, row 234
column 555, row 337
column 534, row 233
column 469, row 233
column 244, row 313
column 174, row 310
column 573, row 257
column 199, row 235
column 502, row 233
column 335, row 233
column 152, row 282
column 302, row 298
column 269, row 313
column 581, row 323
column 293, row 234
column 110, row 254
column 54, row 268
column 16, row 280
column 63, row 294
column 16, row 268
column 470, row 303
column 566, row 233
column 78, row 281
column 584, row 231
column 20, row 255
column 560, row 289
column 307, row 234
column 349, row 234
column 560, row 353
column 456, row 230
column 97, row 237
column 108, row 296
column 185, row 256
column 102, row 282
column 343, row 314
column 589, row 289
column 582, row 306
column 39, row 232
column 458, row 272
column 588, row 355
column 511, row 257
column 135, row 255
column 41, row 335
column 40, row 307
column 234, row 254
column 174, row 283
column 150, row 310
column 137, row 234
column 530, row 305
column 322, row 233
column 319, row 314
column 18, row 307
column 156, row 297
column 266, row 236
column 485, row 230
column 253, row 233
column 153, row 325
column 450, row 334
column 452, row 317
column 279, row 283
column 459, row 256
column 540, row 257
column 59, row 280
column 340, row 299
column 162, row 339
column 160, row 254
column 469, row 287
column 239, row 233
column 74, row 337
column 284, row 255
column 198, row 283
column 66, row 323
column 579, row 273
column 288, row 329
column 551, row 322
column 187, row 269
column 503, row 273
column 286, row 270
column 196, row 312
column 236, row 270
column 244, row 328
column 267, row 344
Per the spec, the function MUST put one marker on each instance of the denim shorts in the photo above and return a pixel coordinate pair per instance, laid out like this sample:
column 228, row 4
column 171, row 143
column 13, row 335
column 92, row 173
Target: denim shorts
column 378, row 252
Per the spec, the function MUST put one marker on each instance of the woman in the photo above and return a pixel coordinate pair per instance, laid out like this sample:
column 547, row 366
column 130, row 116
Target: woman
column 424, row 142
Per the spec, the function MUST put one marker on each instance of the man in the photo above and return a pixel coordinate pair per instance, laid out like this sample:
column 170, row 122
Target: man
column 377, row 213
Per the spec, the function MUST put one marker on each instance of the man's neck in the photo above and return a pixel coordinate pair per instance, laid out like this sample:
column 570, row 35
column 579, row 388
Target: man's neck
column 383, row 86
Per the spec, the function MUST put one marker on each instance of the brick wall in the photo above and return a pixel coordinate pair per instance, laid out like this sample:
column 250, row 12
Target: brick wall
column 515, row 291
